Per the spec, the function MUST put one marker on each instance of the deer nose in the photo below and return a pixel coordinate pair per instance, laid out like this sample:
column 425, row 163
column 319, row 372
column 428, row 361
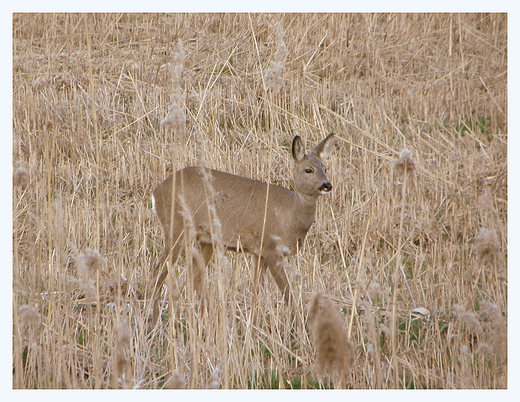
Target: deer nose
column 325, row 187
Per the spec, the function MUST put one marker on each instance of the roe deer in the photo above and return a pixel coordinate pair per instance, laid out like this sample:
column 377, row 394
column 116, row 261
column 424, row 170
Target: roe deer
column 263, row 219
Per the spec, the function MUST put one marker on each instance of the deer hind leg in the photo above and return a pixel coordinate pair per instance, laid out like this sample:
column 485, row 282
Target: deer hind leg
column 160, row 272
column 201, row 257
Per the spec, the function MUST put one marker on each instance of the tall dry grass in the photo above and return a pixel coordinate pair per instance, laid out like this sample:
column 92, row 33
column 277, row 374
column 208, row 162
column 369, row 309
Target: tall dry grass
column 414, row 260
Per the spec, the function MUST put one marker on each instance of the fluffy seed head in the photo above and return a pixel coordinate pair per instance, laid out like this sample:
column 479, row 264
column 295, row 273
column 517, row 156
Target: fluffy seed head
column 498, row 330
column 175, row 382
column 89, row 261
column 273, row 75
column 28, row 315
column 122, row 348
column 21, row 174
column 123, row 334
column 333, row 350
column 176, row 118
column 405, row 164
column 470, row 319
column 486, row 245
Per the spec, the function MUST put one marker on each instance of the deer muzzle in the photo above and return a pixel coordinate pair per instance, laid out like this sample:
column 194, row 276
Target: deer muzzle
column 325, row 188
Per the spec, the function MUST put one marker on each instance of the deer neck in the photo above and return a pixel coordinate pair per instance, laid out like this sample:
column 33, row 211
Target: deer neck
column 305, row 210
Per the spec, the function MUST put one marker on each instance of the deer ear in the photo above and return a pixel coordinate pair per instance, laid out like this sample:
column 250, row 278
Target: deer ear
column 324, row 148
column 298, row 149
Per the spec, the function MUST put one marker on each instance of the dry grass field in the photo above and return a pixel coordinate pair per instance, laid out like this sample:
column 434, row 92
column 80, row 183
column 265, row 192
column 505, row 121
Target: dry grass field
column 408, row 252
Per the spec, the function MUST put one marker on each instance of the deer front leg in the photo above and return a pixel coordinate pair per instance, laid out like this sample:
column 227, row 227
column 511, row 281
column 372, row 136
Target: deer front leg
column 275, row 264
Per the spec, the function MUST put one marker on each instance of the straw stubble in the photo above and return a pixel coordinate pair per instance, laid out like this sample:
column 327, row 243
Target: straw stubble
column 89, row 94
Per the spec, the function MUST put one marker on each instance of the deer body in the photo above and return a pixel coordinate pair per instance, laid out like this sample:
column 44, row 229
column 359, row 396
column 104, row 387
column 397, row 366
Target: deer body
column 241, row 214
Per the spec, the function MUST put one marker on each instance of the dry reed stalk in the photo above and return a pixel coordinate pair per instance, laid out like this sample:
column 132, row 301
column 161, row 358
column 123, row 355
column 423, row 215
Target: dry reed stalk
column 373, row 347
column 405, row 167
column 433, row 83
column 196, row 284
column 222, row 267
column 359, row 274
column 94, row 117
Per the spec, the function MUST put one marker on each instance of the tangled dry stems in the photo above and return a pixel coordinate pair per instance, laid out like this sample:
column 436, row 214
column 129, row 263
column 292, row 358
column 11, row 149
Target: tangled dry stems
column 89, row 94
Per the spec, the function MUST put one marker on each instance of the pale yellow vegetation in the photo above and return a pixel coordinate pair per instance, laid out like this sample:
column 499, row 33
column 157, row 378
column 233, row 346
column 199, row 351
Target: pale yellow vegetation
column 416, row 221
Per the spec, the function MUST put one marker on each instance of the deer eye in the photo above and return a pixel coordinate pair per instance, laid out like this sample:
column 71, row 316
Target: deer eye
column 308, row 170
